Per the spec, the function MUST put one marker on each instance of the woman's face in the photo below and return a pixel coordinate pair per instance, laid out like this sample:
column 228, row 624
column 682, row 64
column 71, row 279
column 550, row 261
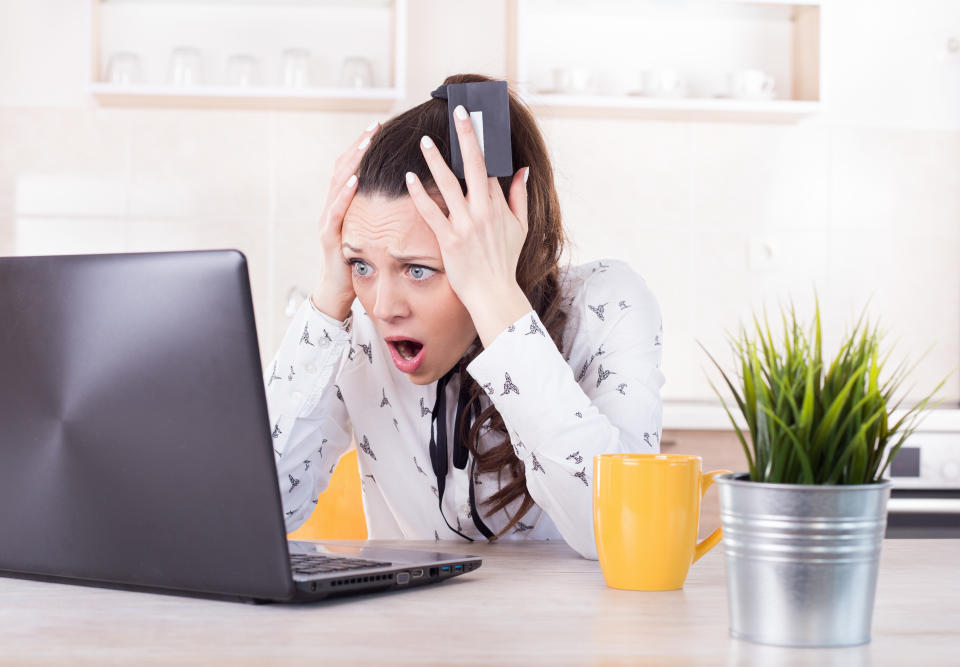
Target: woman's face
column 399, row 278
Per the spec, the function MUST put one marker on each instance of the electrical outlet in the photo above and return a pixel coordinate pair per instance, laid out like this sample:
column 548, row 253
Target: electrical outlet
column 951, row 51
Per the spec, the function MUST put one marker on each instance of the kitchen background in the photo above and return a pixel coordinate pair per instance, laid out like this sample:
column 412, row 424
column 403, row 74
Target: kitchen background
column 858, row 198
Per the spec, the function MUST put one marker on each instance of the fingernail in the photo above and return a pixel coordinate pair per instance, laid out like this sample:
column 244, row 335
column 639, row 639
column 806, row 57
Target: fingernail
column 426, row 142
column 363, row 144
column 526, row 175
column 372, row 125
column 460, row 112
column 351, row 180
column 409, row 177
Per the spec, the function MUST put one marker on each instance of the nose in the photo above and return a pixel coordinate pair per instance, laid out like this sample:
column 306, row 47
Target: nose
column 391, row 302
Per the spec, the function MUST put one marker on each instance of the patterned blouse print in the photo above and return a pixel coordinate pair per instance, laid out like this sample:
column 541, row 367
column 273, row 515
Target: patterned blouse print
column 600, row 394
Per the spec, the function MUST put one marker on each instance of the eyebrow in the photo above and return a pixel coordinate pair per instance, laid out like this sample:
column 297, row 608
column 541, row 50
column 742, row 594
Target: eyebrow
column 399, row 258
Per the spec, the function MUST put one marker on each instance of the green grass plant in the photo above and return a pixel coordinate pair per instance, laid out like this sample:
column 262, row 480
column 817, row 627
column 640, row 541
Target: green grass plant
column 811, row 422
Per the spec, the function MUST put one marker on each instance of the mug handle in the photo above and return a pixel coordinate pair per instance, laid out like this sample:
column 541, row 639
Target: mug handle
column 715, row 537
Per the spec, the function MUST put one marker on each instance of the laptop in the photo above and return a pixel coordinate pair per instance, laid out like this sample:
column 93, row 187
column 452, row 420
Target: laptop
column 135, row 447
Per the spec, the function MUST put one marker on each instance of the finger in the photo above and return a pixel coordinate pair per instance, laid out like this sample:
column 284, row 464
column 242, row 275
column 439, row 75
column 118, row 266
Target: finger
column 496, row 192
column 338, row 207
column 348, row 161
column 474, row 167
column 428, row 208
column 518, row 197
column 445, row 179
column 363, row 140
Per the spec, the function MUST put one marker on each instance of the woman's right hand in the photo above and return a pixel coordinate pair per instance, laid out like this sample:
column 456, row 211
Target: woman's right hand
column 335, row 292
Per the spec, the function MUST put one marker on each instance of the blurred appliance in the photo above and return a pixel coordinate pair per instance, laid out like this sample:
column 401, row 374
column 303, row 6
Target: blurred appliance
column 925, row 499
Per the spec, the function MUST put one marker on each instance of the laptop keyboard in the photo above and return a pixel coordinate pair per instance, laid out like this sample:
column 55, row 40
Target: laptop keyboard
column 320, row 563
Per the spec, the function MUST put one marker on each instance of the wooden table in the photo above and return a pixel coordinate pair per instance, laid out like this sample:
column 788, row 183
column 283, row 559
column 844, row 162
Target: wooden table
column 530, row 602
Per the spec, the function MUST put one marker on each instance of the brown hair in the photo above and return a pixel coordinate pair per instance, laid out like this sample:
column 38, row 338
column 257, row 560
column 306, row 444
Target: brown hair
column 395, row 150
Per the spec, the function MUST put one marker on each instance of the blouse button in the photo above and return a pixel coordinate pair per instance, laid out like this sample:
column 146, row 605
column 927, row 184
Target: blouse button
column 297, row 396
column 324, row 342
column 311, row 368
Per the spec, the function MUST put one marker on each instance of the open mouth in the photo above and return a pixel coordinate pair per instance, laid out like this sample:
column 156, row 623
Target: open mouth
column 408, row 349
column 407, row 354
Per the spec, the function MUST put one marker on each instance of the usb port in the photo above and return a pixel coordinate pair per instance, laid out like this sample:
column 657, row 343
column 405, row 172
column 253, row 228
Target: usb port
column 416, row 573
column 458, row 568
column 445, row 568
column 403, row 578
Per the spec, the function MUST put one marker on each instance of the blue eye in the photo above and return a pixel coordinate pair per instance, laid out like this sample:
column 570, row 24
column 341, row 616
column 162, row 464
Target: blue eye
column 421, row 269
column 355, row 262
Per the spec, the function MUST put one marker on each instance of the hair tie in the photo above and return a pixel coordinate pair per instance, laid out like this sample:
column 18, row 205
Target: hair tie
column 440, row 92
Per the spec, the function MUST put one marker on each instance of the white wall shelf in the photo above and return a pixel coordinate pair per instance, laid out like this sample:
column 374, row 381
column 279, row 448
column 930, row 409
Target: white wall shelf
column 336, row 99
column 329, row 30
column 684, row 108
column 613, row 42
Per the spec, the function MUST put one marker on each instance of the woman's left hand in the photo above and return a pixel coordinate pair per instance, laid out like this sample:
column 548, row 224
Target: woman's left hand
column 481, row 239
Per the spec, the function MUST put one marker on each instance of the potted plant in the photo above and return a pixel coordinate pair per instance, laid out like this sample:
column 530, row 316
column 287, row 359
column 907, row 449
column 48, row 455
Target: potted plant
column 802, row 530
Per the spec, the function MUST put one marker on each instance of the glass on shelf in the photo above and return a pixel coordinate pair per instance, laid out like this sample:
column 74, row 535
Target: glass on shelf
column 242, row 70
column 356, row 72
column 296, row 68
column 185, row 67
column 123, row 68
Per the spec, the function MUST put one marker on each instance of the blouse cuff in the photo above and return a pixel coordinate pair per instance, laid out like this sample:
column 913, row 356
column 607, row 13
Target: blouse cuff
column 529, row 381
column 323, row 320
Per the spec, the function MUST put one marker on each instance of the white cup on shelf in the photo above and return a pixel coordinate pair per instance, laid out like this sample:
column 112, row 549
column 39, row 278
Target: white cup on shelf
column 751, row 84
column 576, row 80
column 561, row 79
column 664, row 82
column 624, row 81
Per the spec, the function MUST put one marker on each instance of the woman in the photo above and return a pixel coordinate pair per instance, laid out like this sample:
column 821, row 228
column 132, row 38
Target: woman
column 442, row 315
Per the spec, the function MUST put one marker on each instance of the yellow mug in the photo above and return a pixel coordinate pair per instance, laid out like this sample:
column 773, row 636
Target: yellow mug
column 646, row 511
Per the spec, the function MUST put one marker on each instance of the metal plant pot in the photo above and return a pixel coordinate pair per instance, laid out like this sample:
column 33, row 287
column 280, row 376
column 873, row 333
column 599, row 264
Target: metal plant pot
column 801, row 559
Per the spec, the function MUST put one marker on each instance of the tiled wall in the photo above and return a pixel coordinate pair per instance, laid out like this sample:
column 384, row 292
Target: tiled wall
column 861, row 202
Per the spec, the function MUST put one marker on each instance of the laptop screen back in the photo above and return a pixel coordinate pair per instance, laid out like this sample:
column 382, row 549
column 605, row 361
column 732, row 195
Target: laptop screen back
column 134, row 440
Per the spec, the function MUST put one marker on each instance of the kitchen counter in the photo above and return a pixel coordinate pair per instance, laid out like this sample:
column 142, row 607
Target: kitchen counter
column 710, row 416
column 529, row 602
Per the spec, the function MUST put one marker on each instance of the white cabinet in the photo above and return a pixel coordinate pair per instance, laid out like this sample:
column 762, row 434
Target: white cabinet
column 668, row 59
column 315, row 54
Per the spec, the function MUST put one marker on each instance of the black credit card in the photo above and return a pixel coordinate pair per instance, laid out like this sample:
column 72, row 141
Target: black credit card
column 488, row 106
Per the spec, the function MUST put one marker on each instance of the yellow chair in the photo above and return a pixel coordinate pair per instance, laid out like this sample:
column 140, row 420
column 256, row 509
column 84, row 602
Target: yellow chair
column 339, row 511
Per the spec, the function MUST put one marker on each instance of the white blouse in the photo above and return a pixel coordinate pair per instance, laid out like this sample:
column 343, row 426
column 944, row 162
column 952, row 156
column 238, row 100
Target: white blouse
column 332, row 386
